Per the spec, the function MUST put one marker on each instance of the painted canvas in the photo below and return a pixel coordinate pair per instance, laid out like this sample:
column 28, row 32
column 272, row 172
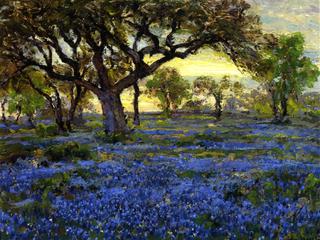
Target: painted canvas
column 159, row 119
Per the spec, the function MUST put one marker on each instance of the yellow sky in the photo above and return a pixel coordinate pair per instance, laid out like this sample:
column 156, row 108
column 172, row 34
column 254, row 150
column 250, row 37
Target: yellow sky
column 205, row 62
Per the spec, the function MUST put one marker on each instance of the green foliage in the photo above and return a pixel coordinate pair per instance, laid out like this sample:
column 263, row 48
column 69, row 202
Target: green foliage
column 43, row 130
column 9, row 153
column 178, row 30
column 186, row 141
column 312, row 191
column 94, row 124
column 137, row 137
column 207, row 221
column 263, row 109
column 196, row 105
column 286, row 71
column 290, row 59
column 68, row 151
column 111, row 138
column 294, row 107
column 27, row 99
column 169, row 87
column 207, row 86
column 268, row 188
column 55, row 184
column 187, row 174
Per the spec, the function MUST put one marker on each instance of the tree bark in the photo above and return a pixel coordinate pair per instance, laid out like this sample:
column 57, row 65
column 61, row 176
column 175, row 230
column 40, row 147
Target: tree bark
column 19, row 109
column 113, row 112
column 284, row 108
column 59, row 121
column 3, row 110
column 218, row 110
column 136, row 118
column 74, row 105
column 218, row 107
column 275, row 109
column 167, row 110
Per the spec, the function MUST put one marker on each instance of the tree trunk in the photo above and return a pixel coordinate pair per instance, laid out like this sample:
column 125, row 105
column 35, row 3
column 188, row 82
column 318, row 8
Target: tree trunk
column 275, row 109
column 218, row 110
column 30, row 121
column 284, row 109
column 167, row 110
column 114, row 116
column 74, row 105
column 136, row 118
column 59, row 121
column 19, row 113
column 70, row 117
column 3, row 110
column 218, row 107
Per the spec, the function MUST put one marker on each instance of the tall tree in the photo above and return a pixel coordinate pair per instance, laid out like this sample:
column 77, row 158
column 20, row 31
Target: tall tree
column 118, row 35
column 286, row 71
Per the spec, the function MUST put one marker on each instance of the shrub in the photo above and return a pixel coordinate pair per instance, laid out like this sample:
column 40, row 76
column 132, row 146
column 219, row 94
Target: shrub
column 94, row 124
column 43, row 130
column 196, row 106
column 9, row 153
column 111, row 138
column 263, row 109
column 68, row 151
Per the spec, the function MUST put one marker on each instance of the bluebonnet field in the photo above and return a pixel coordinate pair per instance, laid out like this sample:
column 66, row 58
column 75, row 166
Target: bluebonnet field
column 185, row 178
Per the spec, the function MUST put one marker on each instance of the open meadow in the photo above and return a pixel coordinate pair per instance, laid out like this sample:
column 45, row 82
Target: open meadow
column 189, row 177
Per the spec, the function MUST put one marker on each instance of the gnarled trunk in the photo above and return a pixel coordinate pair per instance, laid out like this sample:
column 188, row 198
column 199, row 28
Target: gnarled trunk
column 75, row 100
column 59, row 121
column 136, row 118
column 70, row 117
column 113, row 112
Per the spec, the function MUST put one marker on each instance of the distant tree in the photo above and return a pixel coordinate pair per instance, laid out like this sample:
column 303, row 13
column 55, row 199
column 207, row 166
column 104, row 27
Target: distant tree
column 6, row 70
column 235, row 96
column 3, row 103
column 286, row 72
column 207, row 86
column 169, row 87
column 311, row 101
column 25, row 101
column 39, row 83
column 119, row 35
column 75, row 99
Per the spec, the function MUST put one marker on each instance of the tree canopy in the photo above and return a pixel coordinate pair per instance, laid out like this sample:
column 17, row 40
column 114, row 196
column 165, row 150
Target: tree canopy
column 169, row 87
column 208, row 86
column 286, row 71
column 101, row 45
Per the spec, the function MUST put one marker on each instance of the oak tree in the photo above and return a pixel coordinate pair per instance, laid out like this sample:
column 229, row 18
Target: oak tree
column 87, row 41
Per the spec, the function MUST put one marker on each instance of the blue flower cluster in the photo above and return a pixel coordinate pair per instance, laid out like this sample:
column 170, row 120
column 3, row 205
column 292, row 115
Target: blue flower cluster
column 170, row 194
